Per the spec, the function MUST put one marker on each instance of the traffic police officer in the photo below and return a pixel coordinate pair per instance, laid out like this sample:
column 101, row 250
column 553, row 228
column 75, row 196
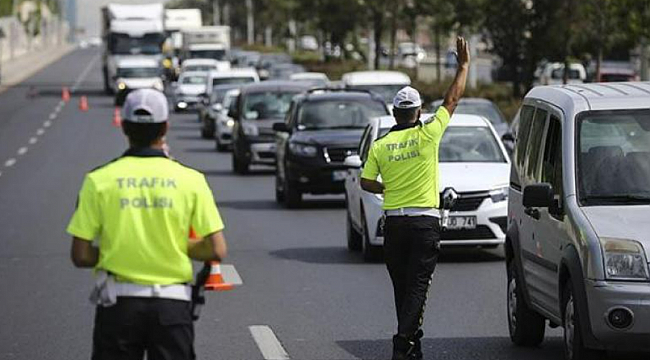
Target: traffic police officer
column 140, row 209
column 407, row 160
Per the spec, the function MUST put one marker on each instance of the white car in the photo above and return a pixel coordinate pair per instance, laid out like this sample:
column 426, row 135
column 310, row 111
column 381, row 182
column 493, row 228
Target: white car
column 188, row 89
column 204, row 65
column 136, row 73
column 553, row 74
column 473, row 162
column 384, row 83
column 239, row 76
column 223, row 123
column 313, row 78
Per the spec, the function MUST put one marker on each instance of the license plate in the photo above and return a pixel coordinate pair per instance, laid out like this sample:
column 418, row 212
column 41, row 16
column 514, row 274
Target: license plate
column 461, row 222
column 339, row 175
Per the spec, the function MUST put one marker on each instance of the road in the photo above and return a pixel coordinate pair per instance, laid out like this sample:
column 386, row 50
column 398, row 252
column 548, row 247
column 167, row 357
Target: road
column 318, row 300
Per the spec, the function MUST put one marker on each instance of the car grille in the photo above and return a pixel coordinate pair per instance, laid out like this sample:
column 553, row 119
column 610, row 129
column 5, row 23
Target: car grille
column 266, row 155
column 469, row 201
column 338, row 154
column 481, row 232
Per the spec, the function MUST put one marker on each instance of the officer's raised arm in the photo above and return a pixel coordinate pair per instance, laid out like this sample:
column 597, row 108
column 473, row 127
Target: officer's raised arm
column 457, row 88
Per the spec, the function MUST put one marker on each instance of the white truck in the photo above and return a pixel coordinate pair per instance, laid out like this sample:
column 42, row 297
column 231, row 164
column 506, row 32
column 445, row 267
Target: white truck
column 177, row 21
column 130, row 30
column 207, row 42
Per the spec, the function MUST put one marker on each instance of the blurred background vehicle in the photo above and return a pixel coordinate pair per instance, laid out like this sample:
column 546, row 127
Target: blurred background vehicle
column 257, row 108
column 315, row 79
column 481, row 107
column 284, row 71
column 205, row 65
column 266, row 61
column 383, row 83
column 134, row 73
column 208, row 114
column 321, row 129
column 470, row 145
column 553, row 74
column 187, row 90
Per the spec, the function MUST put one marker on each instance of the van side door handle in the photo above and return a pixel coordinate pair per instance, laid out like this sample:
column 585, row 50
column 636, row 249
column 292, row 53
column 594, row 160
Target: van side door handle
column 532, row 212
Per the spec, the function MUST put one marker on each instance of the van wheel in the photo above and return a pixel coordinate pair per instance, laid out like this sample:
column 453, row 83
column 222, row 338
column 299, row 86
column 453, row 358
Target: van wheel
column 371, row 253
column 354, row 238
column 574, row 348
column 526, row 326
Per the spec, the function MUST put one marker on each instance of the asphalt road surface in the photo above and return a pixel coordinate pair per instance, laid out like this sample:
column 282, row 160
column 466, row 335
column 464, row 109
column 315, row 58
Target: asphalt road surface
column 303, row 295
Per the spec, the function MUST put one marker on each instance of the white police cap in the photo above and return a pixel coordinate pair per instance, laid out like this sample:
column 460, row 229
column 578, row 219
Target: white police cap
column 152, row 103
column 407, row 98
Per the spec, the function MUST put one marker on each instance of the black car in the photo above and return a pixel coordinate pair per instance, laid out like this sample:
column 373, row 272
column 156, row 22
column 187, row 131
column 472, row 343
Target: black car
column 323, row 127
column 257, row 108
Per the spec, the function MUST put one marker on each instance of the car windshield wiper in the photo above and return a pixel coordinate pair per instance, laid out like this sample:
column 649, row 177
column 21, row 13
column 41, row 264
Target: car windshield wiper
column 623, row 198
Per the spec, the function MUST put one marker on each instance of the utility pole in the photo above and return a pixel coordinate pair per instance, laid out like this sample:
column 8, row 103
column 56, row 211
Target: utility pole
column 250, row 22
column 216, row 13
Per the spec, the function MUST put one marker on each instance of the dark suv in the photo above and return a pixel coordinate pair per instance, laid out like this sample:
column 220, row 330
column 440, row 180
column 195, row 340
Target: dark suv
column 258, row 107
column 322, row 128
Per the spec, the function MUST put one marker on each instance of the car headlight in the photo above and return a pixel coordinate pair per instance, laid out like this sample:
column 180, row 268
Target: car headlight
column 624, row 259
column 158, row 85
column 121, row 86
column 250, row 130
column 303, row 150
column 499, row 194
column 230, row 123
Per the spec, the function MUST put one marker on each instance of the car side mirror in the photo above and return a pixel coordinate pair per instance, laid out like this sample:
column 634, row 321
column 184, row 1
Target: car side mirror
column 280, row 127
column 508, row 137
column 352, row 162
column 538, row 195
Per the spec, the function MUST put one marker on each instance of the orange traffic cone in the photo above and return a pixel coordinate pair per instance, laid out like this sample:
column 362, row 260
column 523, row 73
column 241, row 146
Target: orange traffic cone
column 83, row 104
column 65, row 94
column 117, row 117
column 215, row 281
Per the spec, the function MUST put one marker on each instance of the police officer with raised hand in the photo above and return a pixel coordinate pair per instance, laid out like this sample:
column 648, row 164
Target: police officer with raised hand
column 407, row 160
column 139, row 209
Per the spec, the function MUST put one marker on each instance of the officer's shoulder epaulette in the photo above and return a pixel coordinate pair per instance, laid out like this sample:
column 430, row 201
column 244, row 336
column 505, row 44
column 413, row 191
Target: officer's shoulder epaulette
column 104, row 165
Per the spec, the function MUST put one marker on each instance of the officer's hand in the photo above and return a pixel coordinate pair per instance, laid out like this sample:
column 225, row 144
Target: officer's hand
column 462, row 52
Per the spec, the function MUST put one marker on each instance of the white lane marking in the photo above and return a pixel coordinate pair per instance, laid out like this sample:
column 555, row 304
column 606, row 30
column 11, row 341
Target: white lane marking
column 22, row 150
column 33, row 141
column 230, row 275
column 40, row 131
column 83, row 75
column 10, row 162
column 48, row 123
column 52, row 116
column 268, row 343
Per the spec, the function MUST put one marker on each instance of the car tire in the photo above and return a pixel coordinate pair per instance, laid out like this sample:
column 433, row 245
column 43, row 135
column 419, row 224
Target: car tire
column 279, row 189
column 218, row 145
column 292, row 196
column 205, row 133
column 573, row 344
column 525, row 325
column 371, row 253
column 354, row 238
column 239, row 166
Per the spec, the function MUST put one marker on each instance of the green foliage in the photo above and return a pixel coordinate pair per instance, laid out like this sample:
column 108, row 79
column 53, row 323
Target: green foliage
column 5, row 7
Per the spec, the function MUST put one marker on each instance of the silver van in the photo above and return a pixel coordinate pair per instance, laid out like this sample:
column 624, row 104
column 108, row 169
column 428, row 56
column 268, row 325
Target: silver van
column 578, row 238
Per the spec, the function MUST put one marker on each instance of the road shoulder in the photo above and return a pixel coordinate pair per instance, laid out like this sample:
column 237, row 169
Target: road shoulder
column 21, row 68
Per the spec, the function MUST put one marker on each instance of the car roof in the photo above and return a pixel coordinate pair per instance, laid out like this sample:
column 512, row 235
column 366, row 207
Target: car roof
column 457, row 120
column 324, row 95
column 273, row 85
column 309, row 76
column 193, row 73
column 376, row 78
column 137, row 62
column 465, row 101
column 234, row 72
column 190, row 62
column 595, row 96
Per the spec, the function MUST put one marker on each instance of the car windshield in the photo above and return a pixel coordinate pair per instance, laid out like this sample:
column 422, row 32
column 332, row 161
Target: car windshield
column 208, row 54
column 146, row 72
column 218, row 94
column 470, row 144
column 199, row 68
column 614, row 157
column 267, row 105
column 121, row 44
column 338, row 114
column 232, row 80
column 193, row 80
column 559, row 74
column 387, row 92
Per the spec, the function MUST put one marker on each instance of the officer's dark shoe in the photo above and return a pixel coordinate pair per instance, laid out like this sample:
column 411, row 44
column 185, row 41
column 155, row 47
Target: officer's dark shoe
column 416, row 354
column 403, row 348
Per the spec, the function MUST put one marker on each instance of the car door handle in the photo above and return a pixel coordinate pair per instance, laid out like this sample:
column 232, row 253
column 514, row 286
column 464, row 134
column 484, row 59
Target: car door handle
column 532, row 212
